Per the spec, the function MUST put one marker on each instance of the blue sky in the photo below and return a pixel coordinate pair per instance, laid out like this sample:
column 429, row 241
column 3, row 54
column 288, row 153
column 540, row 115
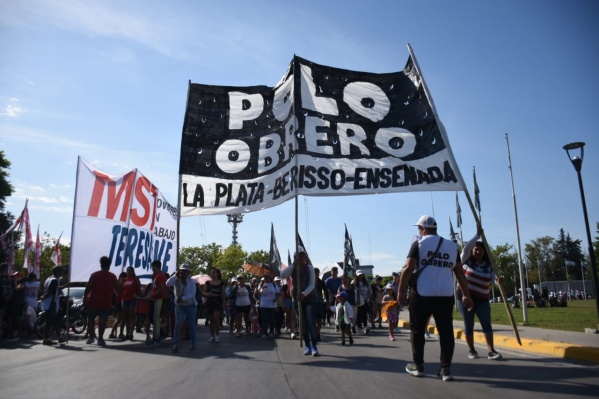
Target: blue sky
column 107, row 80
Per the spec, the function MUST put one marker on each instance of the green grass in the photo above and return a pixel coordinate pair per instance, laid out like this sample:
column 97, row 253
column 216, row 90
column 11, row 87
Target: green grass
column 577, row 316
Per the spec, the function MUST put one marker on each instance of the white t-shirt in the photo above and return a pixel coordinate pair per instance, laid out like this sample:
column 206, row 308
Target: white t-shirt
column 243, row 296
column 437, row 278
column 268, row 295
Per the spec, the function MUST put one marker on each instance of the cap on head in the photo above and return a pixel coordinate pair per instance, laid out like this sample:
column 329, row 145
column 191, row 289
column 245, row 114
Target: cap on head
column 359, row 273
column 185, row 267
column 395, row 274
column 426, row 221
column 377, row 278
column 342, row 294
column 389, row 286
column 277, row 279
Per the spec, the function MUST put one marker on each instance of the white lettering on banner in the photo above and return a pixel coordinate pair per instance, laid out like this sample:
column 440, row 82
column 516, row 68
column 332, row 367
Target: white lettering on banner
column 283, row 100
column 396, row 141
column 268, row 156
column 367, row 99
column 317, row 141
column 312, row 102
column 350, row 135
column 233, row 156
column 244, row 107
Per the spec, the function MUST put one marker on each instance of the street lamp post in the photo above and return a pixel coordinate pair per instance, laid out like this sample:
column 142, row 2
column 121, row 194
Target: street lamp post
column 577, row 162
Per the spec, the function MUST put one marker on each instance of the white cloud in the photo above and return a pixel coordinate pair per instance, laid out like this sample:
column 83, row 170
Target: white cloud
column 54, row 209
column 12, row 109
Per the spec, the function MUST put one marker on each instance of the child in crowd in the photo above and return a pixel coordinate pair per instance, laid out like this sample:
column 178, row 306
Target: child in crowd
column 391, row 309
column 343, row 316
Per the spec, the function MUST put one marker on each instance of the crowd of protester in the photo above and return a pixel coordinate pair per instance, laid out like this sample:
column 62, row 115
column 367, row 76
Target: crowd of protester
column 296, row 302
column 263, row 306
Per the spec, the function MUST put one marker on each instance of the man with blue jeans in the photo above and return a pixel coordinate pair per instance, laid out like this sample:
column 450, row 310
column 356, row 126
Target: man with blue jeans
column 185, row 305
column 304, row 278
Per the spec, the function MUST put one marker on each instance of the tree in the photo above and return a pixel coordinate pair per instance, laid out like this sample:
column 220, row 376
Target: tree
column 231, row 260
column 46, row 263
column 6, row 190
column 505, row 261
column 261, row 256
column 567, row 249
column 200, row 259
column 538, row 253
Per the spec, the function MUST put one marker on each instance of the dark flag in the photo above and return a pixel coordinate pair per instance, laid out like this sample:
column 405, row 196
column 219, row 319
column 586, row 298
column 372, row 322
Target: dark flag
column 301, row 244
column 476, row 191
column 458, row 211
column 349, row 258
column 451, row 232
column 274, row 260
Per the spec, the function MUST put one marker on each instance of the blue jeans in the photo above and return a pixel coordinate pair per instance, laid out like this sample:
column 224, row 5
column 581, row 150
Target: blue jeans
column 483, row 311
column 308, row 323
column 185, row 312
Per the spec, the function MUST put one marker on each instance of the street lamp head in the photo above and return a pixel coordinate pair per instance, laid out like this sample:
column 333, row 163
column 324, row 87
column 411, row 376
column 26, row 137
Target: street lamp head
column 573, row 146
column 576, row 160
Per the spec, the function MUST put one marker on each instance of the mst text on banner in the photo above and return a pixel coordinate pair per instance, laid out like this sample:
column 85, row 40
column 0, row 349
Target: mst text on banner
column 321, row 131
column 124, row 217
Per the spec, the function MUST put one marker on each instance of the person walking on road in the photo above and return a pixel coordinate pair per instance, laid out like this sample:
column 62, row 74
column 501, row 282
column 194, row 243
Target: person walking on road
column 436, row 259
column 50, row 303
column 130, row 289
column 480, row 275
column 185, row 305
column 156, row 296
column 343, row 316
column 98, row 295
column 303, row 292
column 216, row 303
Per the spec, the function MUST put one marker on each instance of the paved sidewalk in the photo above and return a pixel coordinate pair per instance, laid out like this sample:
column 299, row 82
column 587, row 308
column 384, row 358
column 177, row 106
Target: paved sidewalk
column 555, row 343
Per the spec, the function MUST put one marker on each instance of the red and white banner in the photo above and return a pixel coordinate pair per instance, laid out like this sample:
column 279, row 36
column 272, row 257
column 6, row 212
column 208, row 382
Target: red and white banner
column 56, row 257
column 38, row 254
column 124, row 217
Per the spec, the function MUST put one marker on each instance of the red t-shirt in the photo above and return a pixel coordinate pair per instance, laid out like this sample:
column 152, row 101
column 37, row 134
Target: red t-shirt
column 159, row 280
column 130, row 288
column 100, row 296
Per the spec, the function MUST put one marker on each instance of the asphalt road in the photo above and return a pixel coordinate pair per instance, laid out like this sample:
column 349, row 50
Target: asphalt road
column 249, row 367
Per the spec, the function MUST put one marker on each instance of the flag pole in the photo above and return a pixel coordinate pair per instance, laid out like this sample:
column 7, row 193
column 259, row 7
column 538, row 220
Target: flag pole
column 520, row 265
column 297, row 275
column 501, row 289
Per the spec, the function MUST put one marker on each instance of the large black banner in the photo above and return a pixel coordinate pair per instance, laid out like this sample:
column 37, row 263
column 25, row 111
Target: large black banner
column 319, row 131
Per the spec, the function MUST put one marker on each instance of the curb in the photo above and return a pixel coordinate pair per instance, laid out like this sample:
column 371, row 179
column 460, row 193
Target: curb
column 554, row 349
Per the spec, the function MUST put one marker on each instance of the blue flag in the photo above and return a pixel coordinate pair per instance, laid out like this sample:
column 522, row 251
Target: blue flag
column 476, row 191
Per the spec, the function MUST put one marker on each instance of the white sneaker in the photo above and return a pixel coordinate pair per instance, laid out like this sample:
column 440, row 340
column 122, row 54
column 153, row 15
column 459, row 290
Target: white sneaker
column 217, row 339
column 211, row 339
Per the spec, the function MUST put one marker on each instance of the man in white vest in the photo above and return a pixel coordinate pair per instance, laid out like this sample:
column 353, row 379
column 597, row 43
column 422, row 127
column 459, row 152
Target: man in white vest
column 438, row 260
